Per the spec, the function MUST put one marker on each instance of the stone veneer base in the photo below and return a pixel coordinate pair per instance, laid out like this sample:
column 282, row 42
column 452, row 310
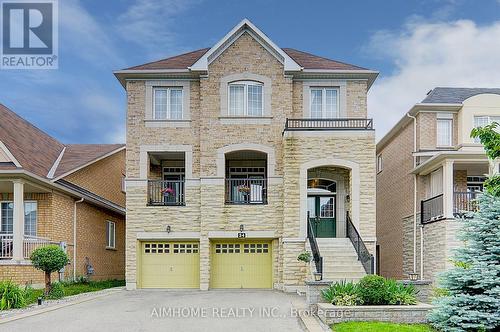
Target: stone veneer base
column 330, row 314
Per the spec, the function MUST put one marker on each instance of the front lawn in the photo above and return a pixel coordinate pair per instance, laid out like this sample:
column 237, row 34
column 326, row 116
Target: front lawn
column 380, row 327
column 74, row 288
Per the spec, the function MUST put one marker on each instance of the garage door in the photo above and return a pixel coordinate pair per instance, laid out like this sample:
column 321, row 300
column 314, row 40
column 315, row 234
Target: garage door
column 241, row 264
column 170, row 264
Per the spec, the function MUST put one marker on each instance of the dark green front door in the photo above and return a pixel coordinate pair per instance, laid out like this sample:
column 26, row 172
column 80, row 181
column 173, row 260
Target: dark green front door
column 322, row 215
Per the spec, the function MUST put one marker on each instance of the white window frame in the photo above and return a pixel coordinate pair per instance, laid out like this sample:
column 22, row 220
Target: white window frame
column 449, row 119
column 26, row 201
column 110, row 235
column 245, row 85
column 323, row 100
column 380, row 165
column 489, row 120
column 169, row 91
column 123, row 186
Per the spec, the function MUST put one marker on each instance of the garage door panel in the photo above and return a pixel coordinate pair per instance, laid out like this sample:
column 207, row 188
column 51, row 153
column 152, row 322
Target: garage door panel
column 170, row 265
column 241, row 265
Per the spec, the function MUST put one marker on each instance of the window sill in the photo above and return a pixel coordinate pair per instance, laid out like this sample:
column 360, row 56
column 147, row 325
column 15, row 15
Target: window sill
column 246, row 119
column 168, row 123
column 111, row 248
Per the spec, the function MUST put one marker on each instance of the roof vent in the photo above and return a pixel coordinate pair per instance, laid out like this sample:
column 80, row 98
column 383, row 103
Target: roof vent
column 429, row 92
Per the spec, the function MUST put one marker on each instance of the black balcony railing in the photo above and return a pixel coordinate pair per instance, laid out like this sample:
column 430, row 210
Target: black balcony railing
column 431, row 209
column 464, row 202
column 329, row 124
column 246, row 191
column 168, row 192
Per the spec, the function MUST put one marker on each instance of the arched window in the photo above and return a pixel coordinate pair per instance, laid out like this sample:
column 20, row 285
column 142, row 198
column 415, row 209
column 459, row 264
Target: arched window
column 317, row 185
column 245, row 98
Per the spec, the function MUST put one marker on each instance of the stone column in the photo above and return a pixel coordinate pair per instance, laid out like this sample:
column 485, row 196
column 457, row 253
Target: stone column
column 448, row 188
column 18, row 218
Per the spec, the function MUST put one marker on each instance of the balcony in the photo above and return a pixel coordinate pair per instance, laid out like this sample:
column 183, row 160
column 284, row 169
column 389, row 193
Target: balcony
column 463, row 202
column 246, row 191
column 30, row 243
column 328, row 124
column 166, row 192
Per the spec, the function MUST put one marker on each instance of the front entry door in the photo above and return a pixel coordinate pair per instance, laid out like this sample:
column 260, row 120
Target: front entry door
column 322, row 215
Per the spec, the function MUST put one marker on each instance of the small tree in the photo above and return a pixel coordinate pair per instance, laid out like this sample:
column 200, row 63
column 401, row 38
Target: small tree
column 473, row 285
column 490, row 139
column 49, row 259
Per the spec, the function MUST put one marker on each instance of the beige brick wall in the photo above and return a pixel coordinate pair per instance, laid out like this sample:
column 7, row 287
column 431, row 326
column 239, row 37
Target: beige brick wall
column 394, row 199
column 103, row 178
column 205, row 210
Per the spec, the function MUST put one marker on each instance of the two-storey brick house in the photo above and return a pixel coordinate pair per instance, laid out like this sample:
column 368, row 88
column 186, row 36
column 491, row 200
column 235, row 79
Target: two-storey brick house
column 65, row 194
column 238, row 157
column 429, row 172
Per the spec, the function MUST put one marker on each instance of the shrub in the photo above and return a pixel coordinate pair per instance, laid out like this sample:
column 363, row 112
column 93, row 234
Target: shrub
column 49, row 259
column 11, row 296
column 342, row 293
column 400, row 294
column 373, row 290
column 305, row 257
column 56, row 291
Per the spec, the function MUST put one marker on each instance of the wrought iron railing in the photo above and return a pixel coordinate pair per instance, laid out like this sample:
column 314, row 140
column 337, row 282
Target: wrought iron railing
column 246, row 191
column 318, row 260
column 6, row 245
column 161, row 192
column 329, row 124
column 431, row 209
column 364, row 256
column 464, row 202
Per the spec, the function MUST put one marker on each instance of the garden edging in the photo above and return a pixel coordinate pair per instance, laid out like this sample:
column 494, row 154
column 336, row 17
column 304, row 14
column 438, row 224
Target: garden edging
column 331, row 314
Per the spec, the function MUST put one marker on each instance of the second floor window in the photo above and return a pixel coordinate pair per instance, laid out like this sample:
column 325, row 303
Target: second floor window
column 167, row 104
column 481, row 121
column 324, row 103
column 245, row 98
column 444, row 131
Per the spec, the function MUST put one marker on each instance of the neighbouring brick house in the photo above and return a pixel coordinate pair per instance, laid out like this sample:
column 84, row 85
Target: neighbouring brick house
column 54, row 193
column 429, row 172
column 234, row 152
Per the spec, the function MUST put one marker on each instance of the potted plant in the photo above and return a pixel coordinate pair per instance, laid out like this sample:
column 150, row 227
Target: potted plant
column 167, row 192
column 243, row 189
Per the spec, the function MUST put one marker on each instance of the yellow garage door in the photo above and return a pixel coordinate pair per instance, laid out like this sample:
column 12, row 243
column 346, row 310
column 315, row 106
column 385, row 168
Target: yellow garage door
column 241, row 264
column 169, row 264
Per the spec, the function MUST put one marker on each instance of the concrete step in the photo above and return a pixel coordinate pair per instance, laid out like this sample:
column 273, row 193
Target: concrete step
column 346, row 270
column 342, row 275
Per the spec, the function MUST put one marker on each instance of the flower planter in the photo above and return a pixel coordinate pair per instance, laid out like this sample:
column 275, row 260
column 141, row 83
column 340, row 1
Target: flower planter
column 330, row 314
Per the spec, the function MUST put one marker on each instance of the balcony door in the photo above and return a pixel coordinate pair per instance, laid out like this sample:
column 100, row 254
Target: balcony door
column 173, row 185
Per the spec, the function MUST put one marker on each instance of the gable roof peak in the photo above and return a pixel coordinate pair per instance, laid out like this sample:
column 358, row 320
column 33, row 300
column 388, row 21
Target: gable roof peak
column 245, row 26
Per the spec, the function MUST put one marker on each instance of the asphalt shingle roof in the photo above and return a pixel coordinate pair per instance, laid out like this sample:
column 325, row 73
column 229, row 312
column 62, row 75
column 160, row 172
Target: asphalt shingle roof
column 441, row 95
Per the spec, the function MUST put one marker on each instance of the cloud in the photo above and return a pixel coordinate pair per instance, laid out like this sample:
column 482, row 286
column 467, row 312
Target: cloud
column 151, row 24
column 425, row 55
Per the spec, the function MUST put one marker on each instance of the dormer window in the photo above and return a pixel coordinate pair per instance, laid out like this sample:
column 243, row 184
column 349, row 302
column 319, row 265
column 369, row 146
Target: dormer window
column 245, row 98
column 167, row 103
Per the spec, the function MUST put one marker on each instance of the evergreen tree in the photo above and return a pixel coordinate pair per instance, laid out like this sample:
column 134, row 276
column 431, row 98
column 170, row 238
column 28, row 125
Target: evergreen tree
column 473, row 285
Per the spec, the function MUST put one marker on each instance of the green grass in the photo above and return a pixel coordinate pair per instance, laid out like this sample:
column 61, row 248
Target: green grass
column 74, row 288
column 380, row 327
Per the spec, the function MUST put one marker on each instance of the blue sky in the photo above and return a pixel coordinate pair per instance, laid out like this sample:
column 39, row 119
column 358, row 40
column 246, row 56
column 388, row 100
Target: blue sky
column 415, row 45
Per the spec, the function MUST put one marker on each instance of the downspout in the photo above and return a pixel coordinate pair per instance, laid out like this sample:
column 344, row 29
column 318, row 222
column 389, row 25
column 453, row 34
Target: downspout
column 74, row 238
column 414, row 195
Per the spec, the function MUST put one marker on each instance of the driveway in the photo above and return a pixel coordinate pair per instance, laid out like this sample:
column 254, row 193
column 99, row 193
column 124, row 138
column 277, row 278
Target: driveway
column 179, row 311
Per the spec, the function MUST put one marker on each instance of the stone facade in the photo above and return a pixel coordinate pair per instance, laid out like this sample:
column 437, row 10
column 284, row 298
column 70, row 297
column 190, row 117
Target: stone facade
column 209, row 134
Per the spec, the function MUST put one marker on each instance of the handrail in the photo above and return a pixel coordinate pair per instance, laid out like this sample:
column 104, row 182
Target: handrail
column 364, row 256
column 246, row 191
column 464, row 202
column 318, row 260
column 329, row 124
column 166, row 192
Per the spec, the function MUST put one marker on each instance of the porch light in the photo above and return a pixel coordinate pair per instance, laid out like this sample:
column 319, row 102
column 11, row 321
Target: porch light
column 413, row 276
column 242, row 228
column 39, row 300
column 168, row 229
column 318, row 276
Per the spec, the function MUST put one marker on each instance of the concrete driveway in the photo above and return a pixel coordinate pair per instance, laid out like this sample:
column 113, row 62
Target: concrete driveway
column 155, row 310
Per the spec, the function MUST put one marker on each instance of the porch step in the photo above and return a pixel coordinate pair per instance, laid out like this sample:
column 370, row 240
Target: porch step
column 340, row 260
